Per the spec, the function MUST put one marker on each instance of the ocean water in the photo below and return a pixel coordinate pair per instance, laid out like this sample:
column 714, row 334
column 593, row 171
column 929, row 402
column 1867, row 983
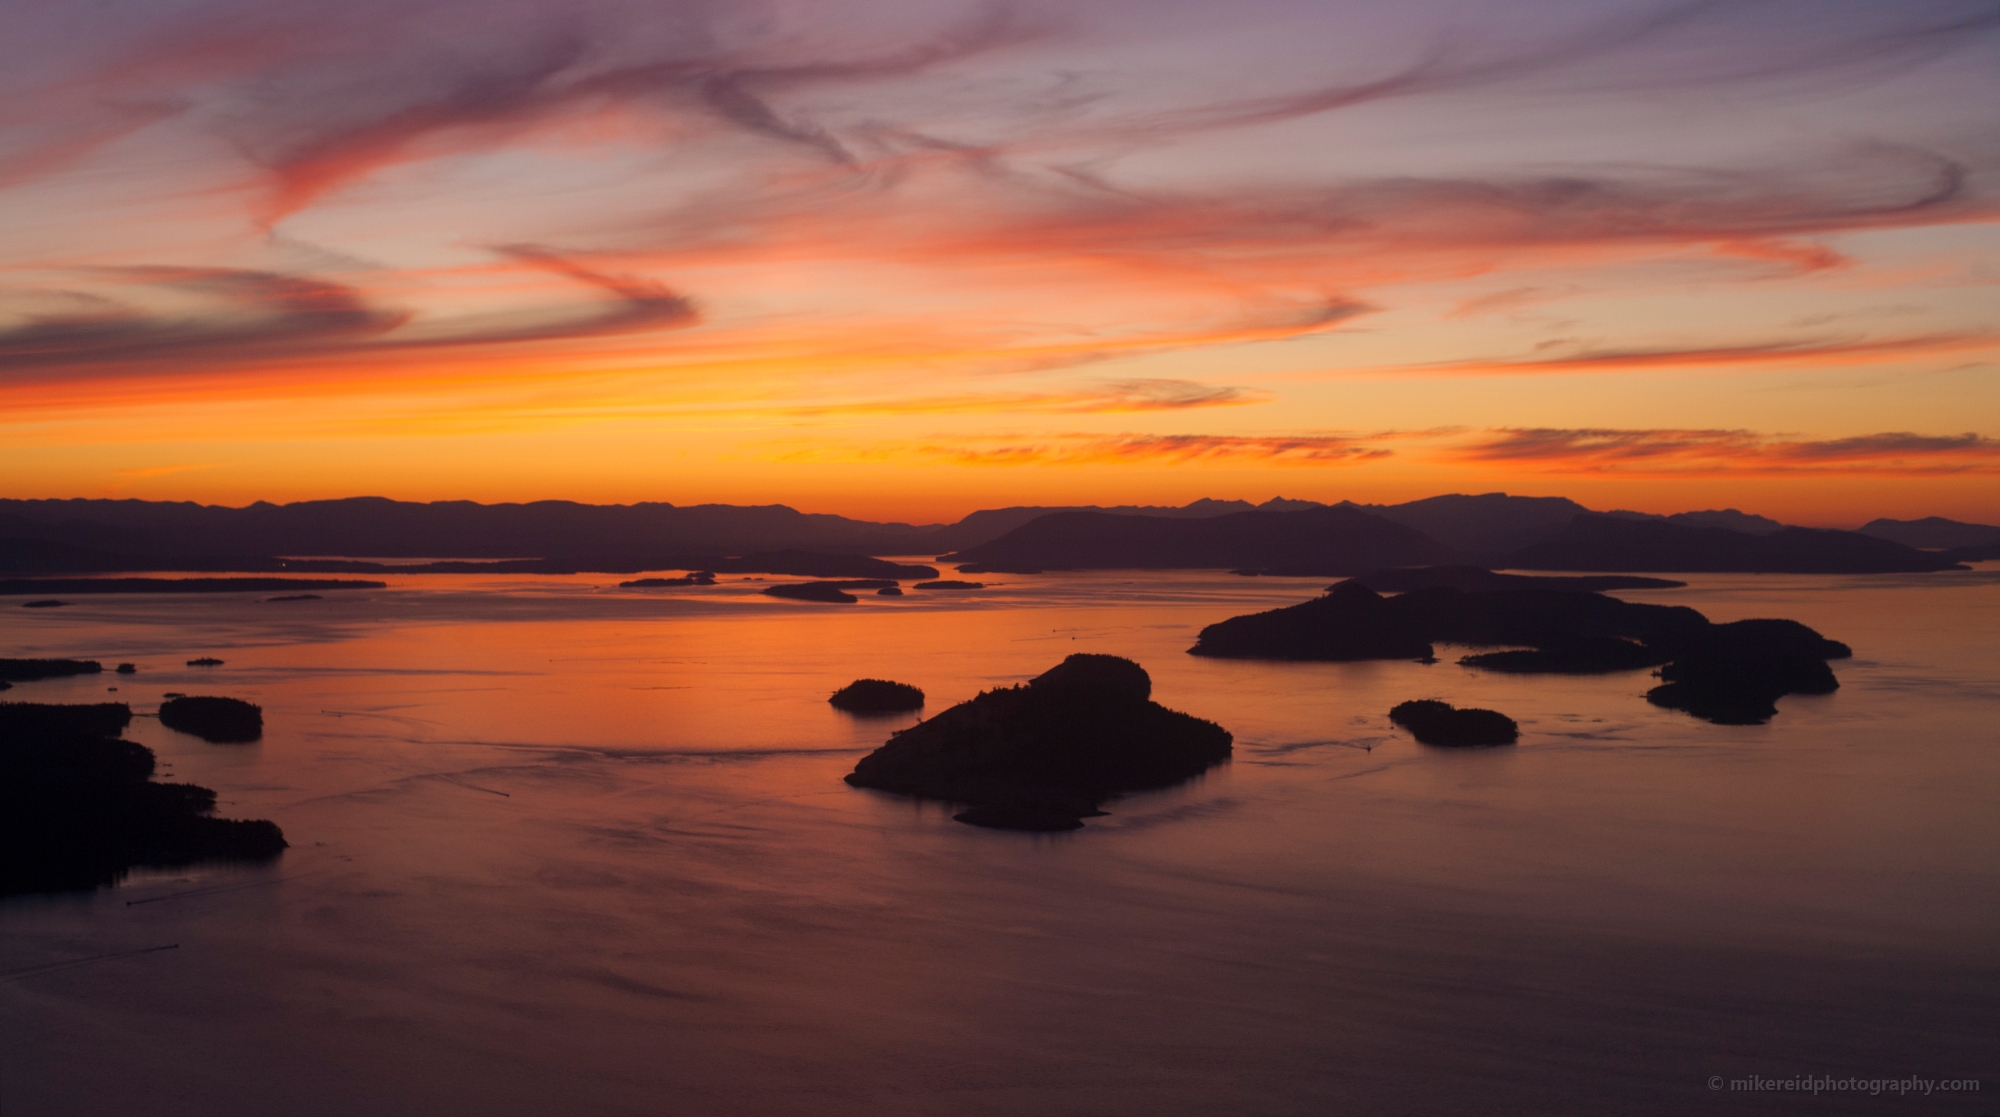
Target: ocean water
column 559, row 847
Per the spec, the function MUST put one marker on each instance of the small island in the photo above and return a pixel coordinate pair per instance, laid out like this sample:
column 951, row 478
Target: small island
column 827, row 593
column 1571, row 655
column 79, row 810
column 692, row 578
column 220, row 721
column 205, row 661
column 877, row 696
column 1440, row 723
column 46, row 603
column 127, row 669
column 1046, row 755
column 948, row 584
column 889, row 591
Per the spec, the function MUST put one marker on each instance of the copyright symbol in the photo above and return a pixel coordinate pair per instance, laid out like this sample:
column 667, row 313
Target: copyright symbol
column 1715, row 1082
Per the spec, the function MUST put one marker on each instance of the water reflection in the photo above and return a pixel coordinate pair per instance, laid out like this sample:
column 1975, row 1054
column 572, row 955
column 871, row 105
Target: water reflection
column 559, row 846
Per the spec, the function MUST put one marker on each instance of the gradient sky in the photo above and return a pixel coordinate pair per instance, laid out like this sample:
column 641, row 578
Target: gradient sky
column 904, row 259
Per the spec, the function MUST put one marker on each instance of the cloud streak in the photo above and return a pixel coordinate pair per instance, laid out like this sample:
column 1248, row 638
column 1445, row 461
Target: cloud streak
column 1155, row 450
column 259, row 314
column 882, row 218
column 1788, row 353
column 1682, row 452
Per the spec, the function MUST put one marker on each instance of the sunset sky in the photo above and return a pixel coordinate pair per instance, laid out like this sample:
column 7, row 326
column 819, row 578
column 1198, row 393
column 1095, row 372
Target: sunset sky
column 902, row 259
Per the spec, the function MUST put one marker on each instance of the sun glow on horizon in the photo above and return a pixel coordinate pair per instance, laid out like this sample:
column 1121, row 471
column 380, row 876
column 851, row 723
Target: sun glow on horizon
column 906, row 260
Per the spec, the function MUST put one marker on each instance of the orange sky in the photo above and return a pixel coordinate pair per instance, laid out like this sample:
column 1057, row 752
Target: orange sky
column 903, row 260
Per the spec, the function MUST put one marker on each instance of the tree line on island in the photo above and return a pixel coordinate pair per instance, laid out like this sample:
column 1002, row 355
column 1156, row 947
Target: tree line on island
column 79, row 807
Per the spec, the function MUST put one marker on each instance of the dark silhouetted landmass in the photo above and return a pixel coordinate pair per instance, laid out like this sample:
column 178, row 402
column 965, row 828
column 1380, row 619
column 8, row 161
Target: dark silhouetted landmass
column 37, row 557
column 1731, row 674
column 948, row 584
column 691, row 578
column 831, row 593
column 1317, row 542
column 216, row 720
column 1727, row 518
column 1046, row 755
column 1576, row 655
column 35, row 719
column 989, row 524
column 78, row 808
column 28, row 670
column 1480, row 528
column 1984, row 553
column 826, row 593
column 562, row 530
column 11, row 586
column 44, row 603
column 1440, row 723
column 56, row 537
column 804, row 564
column 1953, row 541
column 297, row 597
column 1734, row 674
column 127, row 668
column 889, row 591
column 1608, row 543
column 877, row 696
column 1352, row 622
column 205, row 661
column 1934, row 533
column 1745, row 522
column 1349, row 622
column 1478, row 579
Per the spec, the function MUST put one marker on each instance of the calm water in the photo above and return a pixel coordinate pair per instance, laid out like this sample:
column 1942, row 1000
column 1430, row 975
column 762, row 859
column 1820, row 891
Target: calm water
column 559, row 847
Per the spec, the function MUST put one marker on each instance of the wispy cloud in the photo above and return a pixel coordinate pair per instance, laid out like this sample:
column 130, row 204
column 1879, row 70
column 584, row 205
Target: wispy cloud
column 832, row 215
column 253, row 314
column 1677, row 452
column 1787, row 353
column 1107, row 398
column 1314, row 450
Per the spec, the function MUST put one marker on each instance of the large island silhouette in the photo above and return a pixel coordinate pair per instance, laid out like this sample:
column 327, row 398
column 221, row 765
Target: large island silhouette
column 79, row 808
column 1728, row 673
column 1047, row 754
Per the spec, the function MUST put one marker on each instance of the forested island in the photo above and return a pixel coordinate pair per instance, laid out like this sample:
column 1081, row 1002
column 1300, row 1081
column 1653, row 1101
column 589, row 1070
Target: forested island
column 79, row 808
column 1439, row 723
column 216, row 720
column 1727, row 673
column 1047, row 754
column 877, row 696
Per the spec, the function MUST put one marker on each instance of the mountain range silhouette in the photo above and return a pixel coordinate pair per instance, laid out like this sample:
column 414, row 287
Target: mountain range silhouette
column 1279, row 536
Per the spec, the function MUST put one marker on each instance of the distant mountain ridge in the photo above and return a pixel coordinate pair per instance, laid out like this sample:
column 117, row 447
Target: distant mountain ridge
column 992, row 523
column 376, row 526
column 1617, row 544
column 1315, row 542
column 1490, row 530
column 1933, row 533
